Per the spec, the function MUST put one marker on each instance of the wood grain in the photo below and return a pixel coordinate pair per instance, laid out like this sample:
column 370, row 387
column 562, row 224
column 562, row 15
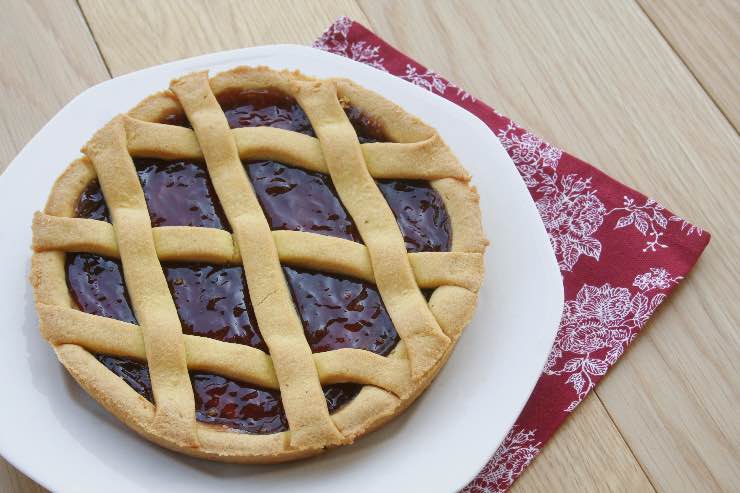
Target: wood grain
column 594, row 77
column 706, row 35
column 575, row 461
column 12, row 480
column 137, row 34
column 49, row 57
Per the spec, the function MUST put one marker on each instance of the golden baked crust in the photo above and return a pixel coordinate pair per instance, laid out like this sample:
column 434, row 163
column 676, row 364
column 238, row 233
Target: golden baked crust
column 428, row 331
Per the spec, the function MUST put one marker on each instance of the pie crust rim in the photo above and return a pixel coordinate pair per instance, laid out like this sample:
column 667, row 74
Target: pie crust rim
column 452, row 302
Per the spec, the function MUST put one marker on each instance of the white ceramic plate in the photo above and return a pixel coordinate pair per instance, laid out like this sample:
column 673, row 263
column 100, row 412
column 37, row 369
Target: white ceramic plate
column 51, row 430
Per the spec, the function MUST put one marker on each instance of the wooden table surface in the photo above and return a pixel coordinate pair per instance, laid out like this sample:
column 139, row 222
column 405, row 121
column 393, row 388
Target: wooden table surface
column 647, row 90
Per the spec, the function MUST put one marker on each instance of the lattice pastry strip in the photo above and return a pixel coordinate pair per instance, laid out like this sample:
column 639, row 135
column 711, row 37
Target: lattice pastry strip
column 152, row 302
column 237, row 361
column 424, row 160
column 428, row 331
column 394, row 277
column 281, row 327
column 306, row 250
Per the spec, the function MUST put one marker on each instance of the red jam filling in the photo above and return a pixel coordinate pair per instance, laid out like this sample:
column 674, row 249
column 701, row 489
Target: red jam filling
column 213, row 301
column 225, row 402
column 341, row 313
column 91, row 204
column 420, row 214
column 177, row 193
column 367, row 129
column 134, row 373
column 98, row 286
column 299, row 200
column 264, row 108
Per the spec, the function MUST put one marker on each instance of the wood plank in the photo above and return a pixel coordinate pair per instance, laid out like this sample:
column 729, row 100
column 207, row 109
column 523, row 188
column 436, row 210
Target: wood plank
column 706, row 35
column 13, row 481
column 574, row 461
column 53, row 59
column 671, row 411
column 596, row 78
column 138, row 34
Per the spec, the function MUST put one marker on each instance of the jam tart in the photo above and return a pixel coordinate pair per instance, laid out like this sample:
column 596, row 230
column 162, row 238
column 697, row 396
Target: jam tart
column 258, row 266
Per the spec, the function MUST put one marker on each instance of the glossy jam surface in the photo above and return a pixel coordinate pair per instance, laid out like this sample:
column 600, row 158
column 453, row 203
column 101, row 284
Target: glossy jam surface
column 264, row 108
column 420, row 214
column 339, row 394
column 177, row 193
column 91, row 204
column 97, row 285
column 419, row 210
column 292, row 199
column 299, row 200
column 341, row 313
column 368, row 130
column 134, row 373
column 213, row 301
column 221, row 401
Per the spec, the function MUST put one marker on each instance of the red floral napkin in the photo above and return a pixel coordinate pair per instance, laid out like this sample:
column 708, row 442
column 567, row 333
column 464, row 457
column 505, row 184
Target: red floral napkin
column 620, row 255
